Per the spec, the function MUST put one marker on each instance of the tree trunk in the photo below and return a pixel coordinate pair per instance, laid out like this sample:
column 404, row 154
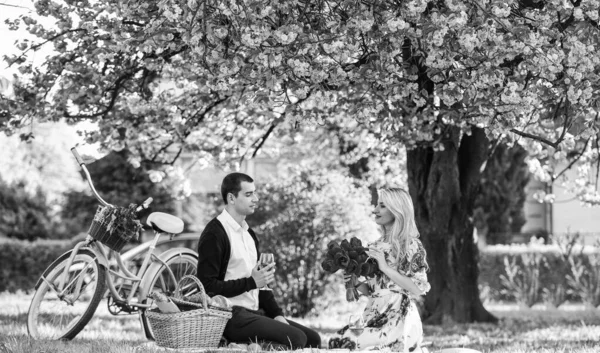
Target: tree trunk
column 443, row 185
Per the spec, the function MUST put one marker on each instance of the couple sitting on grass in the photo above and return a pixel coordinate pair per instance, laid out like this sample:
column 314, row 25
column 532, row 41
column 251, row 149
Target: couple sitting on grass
column 228, row 255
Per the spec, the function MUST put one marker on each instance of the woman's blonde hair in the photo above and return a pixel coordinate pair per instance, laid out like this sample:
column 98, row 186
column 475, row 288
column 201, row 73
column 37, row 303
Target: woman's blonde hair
column 399, row 202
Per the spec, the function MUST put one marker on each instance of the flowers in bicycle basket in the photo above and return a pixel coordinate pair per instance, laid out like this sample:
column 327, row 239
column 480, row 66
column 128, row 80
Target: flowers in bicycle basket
column 119, row 221
column 351, row 257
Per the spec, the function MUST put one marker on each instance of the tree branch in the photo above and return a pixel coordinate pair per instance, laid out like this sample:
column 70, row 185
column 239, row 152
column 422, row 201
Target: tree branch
column 364, row 59
column 198, row 117
column 167, row 55
column 35, row 47
column 496, row 19
column 176, row 156
column 534, row 137
column 264, row 138
column 17, row 6
column 572, row 162
column 113, row 99
column 161, row 150
column 555, row 144
column 134, row 23
column 566, row 124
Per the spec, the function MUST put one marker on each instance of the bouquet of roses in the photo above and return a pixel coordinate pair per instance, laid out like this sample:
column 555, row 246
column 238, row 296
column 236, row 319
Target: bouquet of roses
column 351, row 257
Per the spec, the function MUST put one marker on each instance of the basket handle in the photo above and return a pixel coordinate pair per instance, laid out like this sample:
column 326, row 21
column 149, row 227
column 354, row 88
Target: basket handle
column 201, row 290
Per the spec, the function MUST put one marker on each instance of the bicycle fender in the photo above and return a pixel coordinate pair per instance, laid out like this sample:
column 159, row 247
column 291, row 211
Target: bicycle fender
column 100, row 257
column 101, row 261
column 156, row 266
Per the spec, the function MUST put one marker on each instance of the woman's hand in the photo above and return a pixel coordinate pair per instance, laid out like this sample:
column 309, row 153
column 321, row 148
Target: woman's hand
column 379, row 256
column 397, row 277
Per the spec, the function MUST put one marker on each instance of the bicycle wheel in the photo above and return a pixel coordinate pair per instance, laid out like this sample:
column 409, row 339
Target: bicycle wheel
column 54, row 315
column 180, row 264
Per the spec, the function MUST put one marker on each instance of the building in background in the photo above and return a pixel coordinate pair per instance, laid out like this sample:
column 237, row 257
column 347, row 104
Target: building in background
column 565, row 215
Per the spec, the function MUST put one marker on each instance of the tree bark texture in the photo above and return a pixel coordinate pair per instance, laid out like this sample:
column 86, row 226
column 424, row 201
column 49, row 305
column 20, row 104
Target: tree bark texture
column 443, row 186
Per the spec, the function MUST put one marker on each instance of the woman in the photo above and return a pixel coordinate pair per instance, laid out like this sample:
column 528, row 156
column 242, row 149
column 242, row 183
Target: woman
column 391, row 318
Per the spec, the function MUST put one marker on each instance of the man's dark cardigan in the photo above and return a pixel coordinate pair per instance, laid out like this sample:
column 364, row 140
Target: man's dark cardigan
column 214, row 251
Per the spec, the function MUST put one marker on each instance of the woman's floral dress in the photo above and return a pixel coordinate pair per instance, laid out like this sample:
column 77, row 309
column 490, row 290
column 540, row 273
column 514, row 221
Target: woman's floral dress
column 391, row 318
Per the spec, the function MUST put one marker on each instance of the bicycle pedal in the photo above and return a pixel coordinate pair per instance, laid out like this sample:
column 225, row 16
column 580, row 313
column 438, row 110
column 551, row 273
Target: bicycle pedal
column 118, row 307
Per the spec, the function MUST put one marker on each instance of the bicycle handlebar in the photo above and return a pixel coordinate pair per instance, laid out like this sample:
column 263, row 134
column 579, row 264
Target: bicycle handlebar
column 81, row 163
column 89, row 178
column 144, row 205
column 77, row 156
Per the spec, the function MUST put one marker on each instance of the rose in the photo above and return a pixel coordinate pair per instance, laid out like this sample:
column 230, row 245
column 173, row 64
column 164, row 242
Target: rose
column 330, row 266
column 342, row 260
column 349, row 256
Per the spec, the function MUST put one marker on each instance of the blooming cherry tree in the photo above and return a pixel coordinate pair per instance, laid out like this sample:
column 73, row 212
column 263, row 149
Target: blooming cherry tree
column 448, row 79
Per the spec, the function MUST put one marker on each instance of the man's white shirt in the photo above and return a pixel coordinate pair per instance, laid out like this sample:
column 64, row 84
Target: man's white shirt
column 242, row 258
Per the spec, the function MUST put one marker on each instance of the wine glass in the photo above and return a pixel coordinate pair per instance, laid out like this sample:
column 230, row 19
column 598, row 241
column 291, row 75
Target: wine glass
column 357, row 324
column 266, row 259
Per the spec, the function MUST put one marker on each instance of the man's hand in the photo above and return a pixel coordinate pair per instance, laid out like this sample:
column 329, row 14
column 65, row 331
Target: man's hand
column 263, row 276
column 282, row 319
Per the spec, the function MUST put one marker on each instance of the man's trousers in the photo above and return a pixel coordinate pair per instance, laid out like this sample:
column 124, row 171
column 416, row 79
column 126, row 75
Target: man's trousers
column 246, row 326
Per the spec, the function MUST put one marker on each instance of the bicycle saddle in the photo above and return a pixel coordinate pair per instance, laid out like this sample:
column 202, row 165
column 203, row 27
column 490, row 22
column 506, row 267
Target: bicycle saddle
column 165, row 222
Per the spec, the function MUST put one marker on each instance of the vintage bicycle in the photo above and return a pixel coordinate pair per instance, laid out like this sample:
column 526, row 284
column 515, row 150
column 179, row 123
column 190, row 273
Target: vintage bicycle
column 71, row 288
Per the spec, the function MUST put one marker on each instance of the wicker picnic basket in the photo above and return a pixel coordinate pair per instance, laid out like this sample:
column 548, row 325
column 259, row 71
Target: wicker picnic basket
column 199, row 328
column 113, row 231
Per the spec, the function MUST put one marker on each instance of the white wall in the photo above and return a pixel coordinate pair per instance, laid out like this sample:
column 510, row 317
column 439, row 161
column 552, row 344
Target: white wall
column 569, row 215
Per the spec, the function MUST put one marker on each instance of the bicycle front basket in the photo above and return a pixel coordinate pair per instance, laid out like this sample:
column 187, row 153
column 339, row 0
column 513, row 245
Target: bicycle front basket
column 113, row 227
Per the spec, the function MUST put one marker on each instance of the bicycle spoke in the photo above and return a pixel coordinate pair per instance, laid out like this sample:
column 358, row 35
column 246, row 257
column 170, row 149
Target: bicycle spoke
column 75, row 278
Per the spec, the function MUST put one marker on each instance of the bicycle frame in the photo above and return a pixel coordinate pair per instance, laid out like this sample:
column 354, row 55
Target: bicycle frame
column 101, row 254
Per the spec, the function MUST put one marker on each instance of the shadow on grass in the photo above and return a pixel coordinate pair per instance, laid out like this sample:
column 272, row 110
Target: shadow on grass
column 523, row 331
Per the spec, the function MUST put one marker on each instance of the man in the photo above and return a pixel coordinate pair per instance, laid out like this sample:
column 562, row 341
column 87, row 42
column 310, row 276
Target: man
column 228, row 266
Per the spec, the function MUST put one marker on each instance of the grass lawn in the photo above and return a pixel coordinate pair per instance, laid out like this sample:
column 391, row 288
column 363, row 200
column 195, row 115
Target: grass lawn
column 571, row 328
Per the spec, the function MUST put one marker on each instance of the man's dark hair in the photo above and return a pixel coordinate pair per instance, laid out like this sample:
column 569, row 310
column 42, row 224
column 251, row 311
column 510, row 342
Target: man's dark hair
column 232, row 183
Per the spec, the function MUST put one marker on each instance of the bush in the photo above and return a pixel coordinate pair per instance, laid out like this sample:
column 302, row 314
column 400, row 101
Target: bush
column 23, row 216
column 23, row 262
column 522, row 281
column 539, row 273
column 297, row 218
column 584, row 280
